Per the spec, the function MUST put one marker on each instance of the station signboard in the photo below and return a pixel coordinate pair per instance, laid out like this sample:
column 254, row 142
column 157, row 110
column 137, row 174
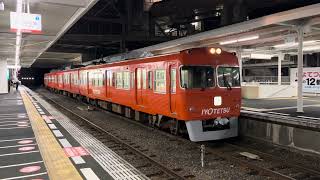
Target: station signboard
column 28, row 23
column 311, row 79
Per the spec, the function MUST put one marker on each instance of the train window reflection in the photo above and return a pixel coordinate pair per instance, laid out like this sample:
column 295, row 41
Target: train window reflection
column 228, row 77
column 197, row 77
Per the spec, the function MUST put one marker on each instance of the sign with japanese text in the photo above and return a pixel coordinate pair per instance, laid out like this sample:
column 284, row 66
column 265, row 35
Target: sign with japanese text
column 311, row 79
column 28, row 23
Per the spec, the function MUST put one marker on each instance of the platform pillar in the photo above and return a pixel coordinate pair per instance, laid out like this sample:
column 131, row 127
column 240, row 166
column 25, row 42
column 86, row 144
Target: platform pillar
column 300, row 70
column 3, row 77
column 280, row 58
column 240, row 64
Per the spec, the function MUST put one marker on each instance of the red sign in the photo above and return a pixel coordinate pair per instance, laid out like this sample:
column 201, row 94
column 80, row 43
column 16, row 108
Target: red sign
column 75, row 151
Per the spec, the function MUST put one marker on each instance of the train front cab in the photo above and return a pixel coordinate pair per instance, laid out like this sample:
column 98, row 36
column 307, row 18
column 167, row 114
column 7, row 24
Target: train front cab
column 212, row 95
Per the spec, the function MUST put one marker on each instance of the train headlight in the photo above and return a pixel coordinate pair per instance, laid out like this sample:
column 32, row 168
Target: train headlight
column 212, row 50
column 218, row 51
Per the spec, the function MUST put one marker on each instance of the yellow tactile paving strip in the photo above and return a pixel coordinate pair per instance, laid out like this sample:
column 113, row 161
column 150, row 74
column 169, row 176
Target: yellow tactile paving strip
column 58, row 165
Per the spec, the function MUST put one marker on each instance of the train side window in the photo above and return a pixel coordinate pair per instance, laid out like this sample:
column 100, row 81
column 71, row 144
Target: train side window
column 160, row 81
column 126, row 80
column 132, row 79
column 119, row 82
column 139, row 78
column 173, row 78
column 150, row 80
column 144, row 79
column 110, row 78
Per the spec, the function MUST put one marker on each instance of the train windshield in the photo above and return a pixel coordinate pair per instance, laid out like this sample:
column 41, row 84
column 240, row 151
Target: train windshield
column 197, row 77
column 228, row 77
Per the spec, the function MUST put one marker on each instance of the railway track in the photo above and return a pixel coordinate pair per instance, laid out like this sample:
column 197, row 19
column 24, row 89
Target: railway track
column 273, row 168
column 126, row 149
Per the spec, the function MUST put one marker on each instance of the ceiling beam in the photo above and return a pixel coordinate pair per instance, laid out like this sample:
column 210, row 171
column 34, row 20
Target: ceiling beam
column 104, row 20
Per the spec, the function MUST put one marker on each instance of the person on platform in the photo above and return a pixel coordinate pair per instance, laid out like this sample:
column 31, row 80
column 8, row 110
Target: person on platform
column 9, row 84
column 17, row 85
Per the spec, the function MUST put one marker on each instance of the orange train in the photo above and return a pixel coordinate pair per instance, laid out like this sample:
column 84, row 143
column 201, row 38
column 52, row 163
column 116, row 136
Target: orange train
column 195, row 91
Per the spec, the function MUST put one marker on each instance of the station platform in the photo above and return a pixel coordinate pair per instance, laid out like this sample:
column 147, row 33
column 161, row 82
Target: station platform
column 283, row 111
column 276, row 120
column 38, row 142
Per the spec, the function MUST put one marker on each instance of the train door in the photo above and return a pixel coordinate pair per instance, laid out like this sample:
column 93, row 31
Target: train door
column 88, row 83
column 108, row 82
column 173, row 88
column 141, row 85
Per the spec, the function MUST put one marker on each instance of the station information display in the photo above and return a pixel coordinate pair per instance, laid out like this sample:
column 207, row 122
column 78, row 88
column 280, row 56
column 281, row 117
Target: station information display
column 311, row 79
column 28, row 23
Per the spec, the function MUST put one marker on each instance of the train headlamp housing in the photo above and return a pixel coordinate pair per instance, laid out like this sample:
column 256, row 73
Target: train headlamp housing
column 215, row 51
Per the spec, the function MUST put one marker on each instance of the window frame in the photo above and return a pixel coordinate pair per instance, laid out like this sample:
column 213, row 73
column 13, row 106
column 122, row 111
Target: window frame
column 175, row 89
column 214, row 76
column 155, row 81
column 227, row 65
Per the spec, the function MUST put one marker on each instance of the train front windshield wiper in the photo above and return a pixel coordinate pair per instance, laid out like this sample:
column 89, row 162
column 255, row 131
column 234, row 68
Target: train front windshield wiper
column 225, row 82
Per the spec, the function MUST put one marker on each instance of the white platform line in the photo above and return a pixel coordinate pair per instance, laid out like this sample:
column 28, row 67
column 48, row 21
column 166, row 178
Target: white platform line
column 23, row 164
column 309, row 117
column 65, row 143
column 41, row 112
column 7, row 140
column 13, row 114
column 21, row 145
column 57, row 133
column 26, row 176
column 2, row 122
column 15, row 124
column 15, row 128
column 13, row 118
column 12, row 154
column 52, row 126
column 89, row 174
column 279, row 113
column 78, row 160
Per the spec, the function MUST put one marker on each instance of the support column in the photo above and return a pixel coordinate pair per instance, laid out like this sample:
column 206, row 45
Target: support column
column 280, row 59
column 3, row 77
column 300, row 69
column 240, row 64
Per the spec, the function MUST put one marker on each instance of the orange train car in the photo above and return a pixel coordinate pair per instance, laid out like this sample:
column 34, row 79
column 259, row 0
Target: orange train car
column 195, row 91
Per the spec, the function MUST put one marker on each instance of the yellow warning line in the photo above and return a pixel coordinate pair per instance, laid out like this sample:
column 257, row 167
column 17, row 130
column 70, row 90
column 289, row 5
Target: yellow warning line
column 58, row 165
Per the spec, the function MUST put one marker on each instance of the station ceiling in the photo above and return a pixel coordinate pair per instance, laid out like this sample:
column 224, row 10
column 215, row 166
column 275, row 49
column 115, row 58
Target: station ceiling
column 57, row 17
column 76, row 30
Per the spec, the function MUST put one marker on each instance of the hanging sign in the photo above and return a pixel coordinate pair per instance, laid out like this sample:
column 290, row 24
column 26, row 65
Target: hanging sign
column 311, row 79
column 28, row 23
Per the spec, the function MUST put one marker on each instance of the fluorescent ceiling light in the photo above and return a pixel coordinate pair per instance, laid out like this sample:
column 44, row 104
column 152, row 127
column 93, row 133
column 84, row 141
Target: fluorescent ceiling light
column 239, row 40
column 311, row 48
column 13, row 67
column 1, row 6
column 294, row 44
column 258, row 56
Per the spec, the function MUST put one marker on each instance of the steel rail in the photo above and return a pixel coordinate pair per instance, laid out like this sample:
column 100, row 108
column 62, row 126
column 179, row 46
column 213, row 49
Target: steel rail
column 162, row 167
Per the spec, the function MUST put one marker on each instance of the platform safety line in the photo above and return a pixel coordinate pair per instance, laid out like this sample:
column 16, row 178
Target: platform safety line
column 13, row 154
column 20, row 139
column 16, row 122
column 58, row 165
column 22, row 164
column 15, row 128
column 9, row 118
column 26, row 176
column 21, row 145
